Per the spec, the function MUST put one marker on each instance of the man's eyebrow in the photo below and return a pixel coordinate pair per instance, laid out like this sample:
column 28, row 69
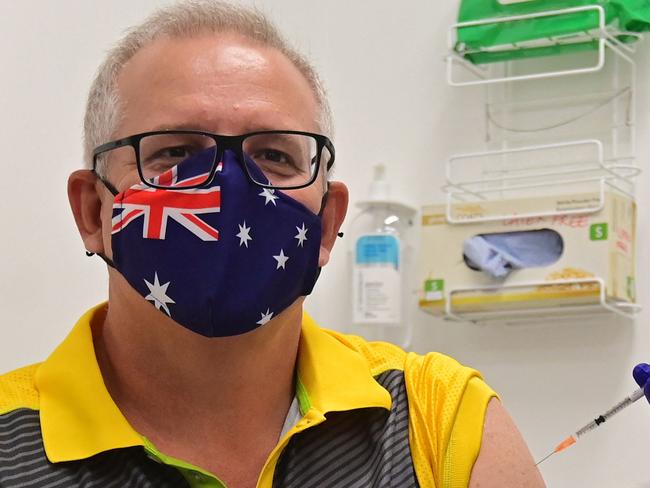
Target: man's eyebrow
column 185, row 126
column 188, row 126
column 262, row 128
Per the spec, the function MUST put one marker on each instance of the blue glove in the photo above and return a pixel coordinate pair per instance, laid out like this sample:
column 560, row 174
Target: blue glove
column 498, row 254
column 641, row 375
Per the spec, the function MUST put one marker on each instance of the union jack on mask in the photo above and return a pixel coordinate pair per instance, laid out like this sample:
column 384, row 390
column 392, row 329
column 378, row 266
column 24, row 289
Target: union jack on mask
column 221, row 260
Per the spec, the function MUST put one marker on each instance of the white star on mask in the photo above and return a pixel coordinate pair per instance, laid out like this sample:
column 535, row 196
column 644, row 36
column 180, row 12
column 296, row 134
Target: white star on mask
column 265, row 317
column 268, row 194
column 302, row 234
column 158, row 294
column 281, row 259
column 244, row 235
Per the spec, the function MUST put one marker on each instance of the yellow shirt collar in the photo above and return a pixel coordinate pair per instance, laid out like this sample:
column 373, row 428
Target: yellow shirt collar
column 78, row 416
column 335, row 376
column 80, row 419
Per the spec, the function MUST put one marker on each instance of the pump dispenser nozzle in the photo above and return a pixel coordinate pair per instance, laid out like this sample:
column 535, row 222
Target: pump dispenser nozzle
column 379, row 188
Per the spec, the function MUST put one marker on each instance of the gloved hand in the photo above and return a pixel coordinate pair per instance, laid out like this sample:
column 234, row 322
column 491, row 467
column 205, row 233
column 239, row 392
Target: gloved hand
column 641, row 375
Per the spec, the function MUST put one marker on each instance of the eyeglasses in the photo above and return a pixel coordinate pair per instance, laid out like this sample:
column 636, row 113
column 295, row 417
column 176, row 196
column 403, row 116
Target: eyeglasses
column 277, row 159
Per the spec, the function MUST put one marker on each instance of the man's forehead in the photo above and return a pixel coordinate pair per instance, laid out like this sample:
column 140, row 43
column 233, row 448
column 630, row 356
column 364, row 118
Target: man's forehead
column 217, row 48
column 227, row 72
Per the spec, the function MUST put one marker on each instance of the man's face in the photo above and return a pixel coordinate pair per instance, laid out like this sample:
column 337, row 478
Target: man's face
column 225, row 84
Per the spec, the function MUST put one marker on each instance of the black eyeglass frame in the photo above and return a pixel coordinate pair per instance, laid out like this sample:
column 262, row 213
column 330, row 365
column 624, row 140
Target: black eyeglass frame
column 222, row 143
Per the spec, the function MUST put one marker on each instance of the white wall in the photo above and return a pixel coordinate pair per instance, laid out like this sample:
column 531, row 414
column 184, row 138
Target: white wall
column 382, row 63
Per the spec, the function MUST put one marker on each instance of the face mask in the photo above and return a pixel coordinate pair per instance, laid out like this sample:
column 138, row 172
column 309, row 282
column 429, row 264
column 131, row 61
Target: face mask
column 221, row 260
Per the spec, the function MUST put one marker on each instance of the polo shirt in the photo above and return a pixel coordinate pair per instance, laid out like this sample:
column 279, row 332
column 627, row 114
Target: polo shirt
column 370, row 415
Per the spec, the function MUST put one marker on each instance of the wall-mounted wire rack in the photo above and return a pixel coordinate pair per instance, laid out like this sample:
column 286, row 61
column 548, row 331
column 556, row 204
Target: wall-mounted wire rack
column 576, row 167
column 606, row 37
column 557, row 125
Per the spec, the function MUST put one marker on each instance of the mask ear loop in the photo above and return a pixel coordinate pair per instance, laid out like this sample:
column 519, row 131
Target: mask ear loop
column 323, row 202
column 107, row 184
column 109, row 262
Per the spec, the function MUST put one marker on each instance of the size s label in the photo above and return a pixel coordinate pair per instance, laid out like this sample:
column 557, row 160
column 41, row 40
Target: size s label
column 599, row 232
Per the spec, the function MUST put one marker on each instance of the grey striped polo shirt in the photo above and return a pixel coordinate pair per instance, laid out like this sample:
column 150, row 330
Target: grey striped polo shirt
column 359, row 448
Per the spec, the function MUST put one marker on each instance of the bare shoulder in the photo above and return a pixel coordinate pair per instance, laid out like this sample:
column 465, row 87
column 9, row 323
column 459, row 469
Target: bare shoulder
column 504, row 459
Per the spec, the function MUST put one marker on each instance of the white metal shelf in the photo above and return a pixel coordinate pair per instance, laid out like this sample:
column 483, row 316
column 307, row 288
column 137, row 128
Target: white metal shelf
column 606, row 37
column 549, row 169
column 601, row 303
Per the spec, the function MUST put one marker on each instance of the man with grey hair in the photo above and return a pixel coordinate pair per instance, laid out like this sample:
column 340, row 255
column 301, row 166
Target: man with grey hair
column 207, row 195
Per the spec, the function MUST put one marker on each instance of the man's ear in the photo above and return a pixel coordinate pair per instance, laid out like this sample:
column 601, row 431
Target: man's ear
column 86, row 207
column 333, row 214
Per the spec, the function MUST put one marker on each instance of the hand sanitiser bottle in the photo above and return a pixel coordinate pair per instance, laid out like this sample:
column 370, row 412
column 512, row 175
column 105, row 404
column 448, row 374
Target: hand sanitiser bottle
column 381, row 256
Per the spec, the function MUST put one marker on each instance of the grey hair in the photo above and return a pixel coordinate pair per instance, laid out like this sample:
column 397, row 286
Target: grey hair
column 181, row 20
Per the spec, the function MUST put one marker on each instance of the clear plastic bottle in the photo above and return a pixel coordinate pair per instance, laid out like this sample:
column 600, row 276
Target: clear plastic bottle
column 380, row 265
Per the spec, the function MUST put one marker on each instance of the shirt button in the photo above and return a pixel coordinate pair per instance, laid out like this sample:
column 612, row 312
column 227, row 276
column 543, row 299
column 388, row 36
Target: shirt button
column 198, row 477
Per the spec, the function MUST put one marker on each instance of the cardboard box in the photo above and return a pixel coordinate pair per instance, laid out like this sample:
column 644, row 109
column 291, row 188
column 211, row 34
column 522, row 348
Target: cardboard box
column 598, row 255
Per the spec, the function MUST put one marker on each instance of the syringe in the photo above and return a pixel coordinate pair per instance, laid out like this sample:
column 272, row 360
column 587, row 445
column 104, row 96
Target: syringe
column 572, row 439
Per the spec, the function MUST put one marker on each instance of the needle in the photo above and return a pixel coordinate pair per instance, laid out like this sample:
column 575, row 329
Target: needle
column 544, row 458
column 620, row 406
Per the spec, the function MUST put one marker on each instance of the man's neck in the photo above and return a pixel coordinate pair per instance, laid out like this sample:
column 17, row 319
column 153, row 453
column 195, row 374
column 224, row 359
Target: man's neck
column 180, row 389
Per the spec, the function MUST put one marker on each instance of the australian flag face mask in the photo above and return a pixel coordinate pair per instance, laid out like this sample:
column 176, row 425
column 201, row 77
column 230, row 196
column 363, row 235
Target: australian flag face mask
column 221, row 260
